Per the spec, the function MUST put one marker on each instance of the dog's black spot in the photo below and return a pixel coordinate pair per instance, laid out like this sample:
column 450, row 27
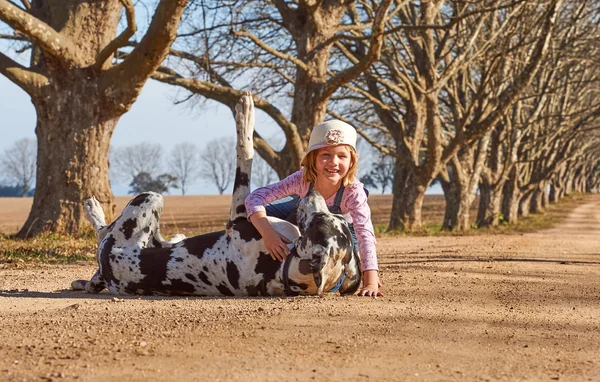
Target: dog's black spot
column 179, row 259
column 197, row 245
column 204, row 278
column 241, row 209
column 300, row 286
column 180, row 287
column 105, row 252
column 267, row 266
column 147, row 229
column 246, row 230
column 205, row 268
column 144, row 214
column 233, row 274
column 156, row 215
column 191, row 277
column 139, row 200
column 241, row 179
column 224, row 290
column 304, row 267
column 153, row 266
column 127, row 228
column 252, row 290
column 156, row 243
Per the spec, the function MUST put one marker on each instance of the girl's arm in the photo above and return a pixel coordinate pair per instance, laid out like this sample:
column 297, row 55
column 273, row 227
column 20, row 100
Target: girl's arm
column 274, row 241
column 358, row 208
column 255, row 208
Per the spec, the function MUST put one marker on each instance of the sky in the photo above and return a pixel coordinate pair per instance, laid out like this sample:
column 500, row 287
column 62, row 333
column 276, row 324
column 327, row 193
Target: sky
column 153, row 118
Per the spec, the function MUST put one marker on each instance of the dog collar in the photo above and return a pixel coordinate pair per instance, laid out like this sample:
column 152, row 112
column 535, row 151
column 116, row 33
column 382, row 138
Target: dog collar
column 286, row 271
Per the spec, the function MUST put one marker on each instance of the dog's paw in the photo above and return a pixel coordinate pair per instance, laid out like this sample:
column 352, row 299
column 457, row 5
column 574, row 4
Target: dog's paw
column 79, row 284
column 94, row 213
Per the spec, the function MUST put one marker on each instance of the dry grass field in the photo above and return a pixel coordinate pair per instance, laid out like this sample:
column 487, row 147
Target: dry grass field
column 201, row 214
column 482, row 307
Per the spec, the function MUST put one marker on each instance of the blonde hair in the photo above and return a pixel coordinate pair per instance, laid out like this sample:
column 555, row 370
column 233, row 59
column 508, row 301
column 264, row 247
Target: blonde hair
column 309, row 166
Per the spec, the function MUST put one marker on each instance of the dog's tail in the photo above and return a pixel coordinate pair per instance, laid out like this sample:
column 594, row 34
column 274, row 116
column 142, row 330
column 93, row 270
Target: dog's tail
column 244, row 123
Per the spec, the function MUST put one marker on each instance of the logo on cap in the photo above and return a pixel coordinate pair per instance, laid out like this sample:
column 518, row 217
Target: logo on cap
column 334, row 137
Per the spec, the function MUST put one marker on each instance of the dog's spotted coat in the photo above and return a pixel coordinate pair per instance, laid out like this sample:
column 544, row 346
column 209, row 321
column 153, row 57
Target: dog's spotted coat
column 133, row 258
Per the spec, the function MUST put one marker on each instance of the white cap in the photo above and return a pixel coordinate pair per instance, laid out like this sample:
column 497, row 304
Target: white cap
column 331, row 133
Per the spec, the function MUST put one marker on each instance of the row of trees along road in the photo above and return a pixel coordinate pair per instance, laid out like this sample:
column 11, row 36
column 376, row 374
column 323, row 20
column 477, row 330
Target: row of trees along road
column 495, row 95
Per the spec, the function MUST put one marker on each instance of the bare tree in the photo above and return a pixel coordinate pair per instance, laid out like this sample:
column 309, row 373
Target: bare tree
column 412, row 93
column 184, row 163
column 286, row 51
column 218, row 162
column 79, row 93
column 18, row 164
column 130, row 161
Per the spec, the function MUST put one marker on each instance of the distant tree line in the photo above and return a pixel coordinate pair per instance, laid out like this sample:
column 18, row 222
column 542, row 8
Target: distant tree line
column 145, row 168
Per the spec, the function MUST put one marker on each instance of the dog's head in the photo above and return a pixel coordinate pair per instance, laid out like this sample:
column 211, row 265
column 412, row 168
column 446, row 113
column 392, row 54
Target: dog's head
column 326, row 240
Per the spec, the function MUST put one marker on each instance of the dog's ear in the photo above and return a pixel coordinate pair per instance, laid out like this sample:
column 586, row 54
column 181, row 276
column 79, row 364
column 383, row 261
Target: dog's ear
column 353, row 275
column 317, row 264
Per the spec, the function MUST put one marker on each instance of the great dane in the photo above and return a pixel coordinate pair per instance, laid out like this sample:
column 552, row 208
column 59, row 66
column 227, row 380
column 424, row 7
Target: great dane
column 133, row 258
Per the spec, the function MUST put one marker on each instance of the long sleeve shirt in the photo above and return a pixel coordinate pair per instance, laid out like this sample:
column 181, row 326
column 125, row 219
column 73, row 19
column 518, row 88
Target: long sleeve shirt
column 354, row 207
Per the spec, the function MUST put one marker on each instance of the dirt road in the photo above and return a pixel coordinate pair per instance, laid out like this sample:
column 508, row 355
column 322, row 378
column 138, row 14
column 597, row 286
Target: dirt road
column 524, row 307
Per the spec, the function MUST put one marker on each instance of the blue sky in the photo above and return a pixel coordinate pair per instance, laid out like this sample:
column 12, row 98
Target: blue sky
column 153, row 118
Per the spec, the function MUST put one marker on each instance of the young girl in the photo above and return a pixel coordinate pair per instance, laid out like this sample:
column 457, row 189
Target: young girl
column 330, row 165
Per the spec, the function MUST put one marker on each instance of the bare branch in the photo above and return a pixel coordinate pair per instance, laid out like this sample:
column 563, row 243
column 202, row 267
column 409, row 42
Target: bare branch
column 122, row 39
column 271, row 50
column 21, row 76
column 372, row 55
column 53, row 43
column 152, row 50
column 228, row 96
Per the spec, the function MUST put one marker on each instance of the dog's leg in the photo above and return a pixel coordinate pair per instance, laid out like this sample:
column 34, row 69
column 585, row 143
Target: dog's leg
column 244, row 123
column 95, row 215
column 95, row 285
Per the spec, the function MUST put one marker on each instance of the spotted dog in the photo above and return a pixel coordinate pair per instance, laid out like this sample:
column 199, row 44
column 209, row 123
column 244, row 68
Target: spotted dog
column 133, row 258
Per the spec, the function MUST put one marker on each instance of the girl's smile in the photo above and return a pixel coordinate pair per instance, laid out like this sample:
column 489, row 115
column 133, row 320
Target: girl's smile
column 333, row 163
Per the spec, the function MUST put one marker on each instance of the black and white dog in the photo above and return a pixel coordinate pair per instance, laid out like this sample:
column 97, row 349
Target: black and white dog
column 133, row 257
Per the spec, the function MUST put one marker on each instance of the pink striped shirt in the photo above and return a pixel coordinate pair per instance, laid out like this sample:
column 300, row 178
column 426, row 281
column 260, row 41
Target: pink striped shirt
column 354, row 207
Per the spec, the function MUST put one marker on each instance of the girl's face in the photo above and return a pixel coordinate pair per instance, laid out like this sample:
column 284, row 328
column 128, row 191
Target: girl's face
column 333, row 163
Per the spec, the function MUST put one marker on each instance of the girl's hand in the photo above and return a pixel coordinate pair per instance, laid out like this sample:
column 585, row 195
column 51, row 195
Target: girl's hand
column 274, row 241
column 276, row 245
column 370, row 290
column 371, row 285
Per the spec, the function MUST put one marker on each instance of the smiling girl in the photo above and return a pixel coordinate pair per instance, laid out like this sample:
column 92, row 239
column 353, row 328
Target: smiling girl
column 329, row 165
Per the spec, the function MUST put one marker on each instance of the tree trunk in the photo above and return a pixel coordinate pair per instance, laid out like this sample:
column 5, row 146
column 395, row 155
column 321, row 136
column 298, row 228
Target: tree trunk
column 490, row 205
column 458, row 200
column 554, row 192
column 525, row 205
column 452, row 197
column 537, row 200
column 510, row 200
column 407, row 201
column 73, row 133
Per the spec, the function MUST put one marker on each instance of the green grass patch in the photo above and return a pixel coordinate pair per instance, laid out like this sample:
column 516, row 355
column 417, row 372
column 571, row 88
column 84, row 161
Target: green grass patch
column 554, row 214
column 47, row 249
